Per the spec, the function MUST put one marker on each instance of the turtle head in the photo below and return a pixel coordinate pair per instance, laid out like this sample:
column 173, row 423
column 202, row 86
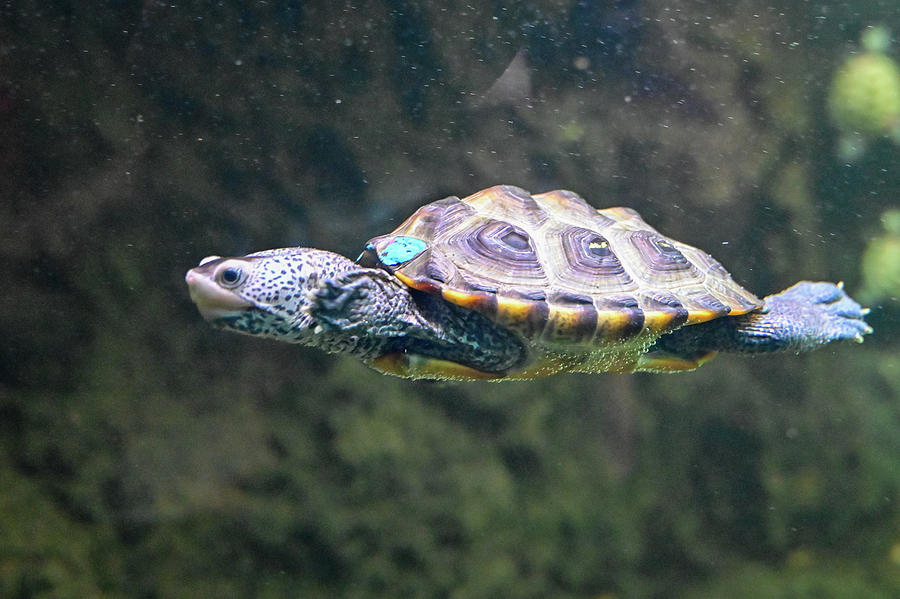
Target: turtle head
column 264, row 294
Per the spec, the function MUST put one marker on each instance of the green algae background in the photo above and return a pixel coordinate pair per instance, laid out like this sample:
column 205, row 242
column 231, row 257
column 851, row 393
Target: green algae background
column 143, row 454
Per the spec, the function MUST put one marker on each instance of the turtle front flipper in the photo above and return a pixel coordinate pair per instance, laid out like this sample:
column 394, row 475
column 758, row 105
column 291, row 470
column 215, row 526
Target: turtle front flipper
column 366, row 302
column 411, row 334
column 800, row 318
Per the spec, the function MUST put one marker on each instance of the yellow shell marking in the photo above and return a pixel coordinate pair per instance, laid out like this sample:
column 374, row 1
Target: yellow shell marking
column 471, row 301
column 513, row 311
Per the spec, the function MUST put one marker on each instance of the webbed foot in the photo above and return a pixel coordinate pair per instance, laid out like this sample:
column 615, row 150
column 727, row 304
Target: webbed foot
column 364, row 302
column 810, row 314
column 340, row 303
column 800, row 318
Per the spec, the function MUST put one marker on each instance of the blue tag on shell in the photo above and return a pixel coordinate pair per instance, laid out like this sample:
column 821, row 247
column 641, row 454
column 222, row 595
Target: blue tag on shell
column 401, row 249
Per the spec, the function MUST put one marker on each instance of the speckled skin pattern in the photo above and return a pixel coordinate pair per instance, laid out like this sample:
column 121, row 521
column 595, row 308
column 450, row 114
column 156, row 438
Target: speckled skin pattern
column 324, row 300
column 277, row 284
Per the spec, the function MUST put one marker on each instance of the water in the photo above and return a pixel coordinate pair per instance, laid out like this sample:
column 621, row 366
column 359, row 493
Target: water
column 145, row 454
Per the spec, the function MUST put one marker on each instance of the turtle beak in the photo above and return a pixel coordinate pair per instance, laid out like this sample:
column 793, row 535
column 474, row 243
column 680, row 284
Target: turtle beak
column 214, row 301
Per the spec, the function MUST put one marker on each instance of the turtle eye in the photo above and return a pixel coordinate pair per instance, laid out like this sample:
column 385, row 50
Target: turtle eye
column 231, row 277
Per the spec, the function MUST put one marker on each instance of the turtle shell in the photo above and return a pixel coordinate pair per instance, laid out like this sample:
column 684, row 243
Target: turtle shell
column 555, row 269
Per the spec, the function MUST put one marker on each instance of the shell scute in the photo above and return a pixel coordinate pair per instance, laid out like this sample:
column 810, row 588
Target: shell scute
column 588, row 259
column 508, row 203
column 429, row 220
column 663, row 310
column 528, row 317
column 621, row 317
column 660, row 260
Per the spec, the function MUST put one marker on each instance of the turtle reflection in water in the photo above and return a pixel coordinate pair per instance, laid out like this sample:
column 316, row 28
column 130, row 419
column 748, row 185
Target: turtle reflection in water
column 507, row 285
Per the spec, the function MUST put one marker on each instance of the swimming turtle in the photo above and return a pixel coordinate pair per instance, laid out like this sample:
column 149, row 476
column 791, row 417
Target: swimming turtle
column 508, row 285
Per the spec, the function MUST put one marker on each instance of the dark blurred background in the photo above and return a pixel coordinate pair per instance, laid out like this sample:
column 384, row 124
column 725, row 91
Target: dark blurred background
column 144, row 454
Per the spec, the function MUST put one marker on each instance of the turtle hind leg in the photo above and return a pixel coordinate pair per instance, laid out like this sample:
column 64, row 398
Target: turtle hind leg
column 800, row 318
